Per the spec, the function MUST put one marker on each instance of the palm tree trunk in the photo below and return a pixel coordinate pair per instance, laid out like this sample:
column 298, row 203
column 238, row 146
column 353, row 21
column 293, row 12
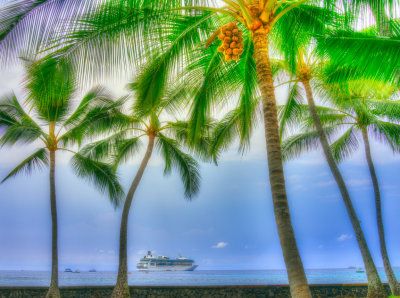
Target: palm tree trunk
column 121, row 289
column 53, row 291
column 294, row 266
column 375, row 287
column 393, row 283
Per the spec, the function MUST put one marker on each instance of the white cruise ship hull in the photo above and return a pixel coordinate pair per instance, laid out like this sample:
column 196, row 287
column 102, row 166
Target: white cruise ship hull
column 167, row 268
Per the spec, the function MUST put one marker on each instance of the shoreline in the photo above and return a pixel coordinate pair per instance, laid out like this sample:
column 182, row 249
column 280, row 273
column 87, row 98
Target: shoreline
column 318, row 290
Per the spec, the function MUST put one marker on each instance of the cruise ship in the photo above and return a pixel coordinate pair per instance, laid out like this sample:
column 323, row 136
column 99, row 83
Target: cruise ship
column 163, row 263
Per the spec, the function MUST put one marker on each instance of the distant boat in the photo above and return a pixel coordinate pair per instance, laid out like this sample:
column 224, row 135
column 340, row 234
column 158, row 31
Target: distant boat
column 77, row 271
column 360, row 270
column 351, row 267
column 67, row 270
column 92, row 270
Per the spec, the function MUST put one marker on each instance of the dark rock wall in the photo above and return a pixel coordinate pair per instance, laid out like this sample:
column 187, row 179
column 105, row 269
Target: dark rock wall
column 359, row 290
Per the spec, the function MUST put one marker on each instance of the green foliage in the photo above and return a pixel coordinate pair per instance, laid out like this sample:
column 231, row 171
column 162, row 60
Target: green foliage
column 102, row 175
column 184, row 163
column 19, row 126
column 50, row 87
column 361, row 56
column 37, row 160
column 27, row 26
column 356, row 106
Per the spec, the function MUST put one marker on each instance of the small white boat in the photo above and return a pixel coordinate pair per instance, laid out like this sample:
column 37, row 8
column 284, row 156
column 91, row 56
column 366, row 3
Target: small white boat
column 67, row 270
column 360, row 270
column 92, row 270
column 77, row 271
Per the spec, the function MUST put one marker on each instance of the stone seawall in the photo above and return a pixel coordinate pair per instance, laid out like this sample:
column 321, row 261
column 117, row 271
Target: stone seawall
column 337, row 290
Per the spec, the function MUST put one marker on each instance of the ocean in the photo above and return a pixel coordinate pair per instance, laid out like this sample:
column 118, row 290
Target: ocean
column 197, row 277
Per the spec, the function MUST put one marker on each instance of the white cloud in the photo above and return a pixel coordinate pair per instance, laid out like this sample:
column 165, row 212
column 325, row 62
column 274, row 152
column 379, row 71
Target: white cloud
column 220, row 245
column 344, row 237
column 325, row 183
column 358, row 182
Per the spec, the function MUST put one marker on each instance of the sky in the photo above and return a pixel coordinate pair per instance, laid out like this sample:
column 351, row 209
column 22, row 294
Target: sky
column 229, row 225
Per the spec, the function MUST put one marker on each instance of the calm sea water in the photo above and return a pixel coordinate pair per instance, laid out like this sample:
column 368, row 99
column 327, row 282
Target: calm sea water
column 199, row 277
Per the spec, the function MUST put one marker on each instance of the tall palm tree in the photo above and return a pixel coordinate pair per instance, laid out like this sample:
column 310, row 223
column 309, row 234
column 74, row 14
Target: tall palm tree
column 168, row 137
column 303, row 71
column 50, row 88
column 259, row 19
column 160, row 24
column 356, row 110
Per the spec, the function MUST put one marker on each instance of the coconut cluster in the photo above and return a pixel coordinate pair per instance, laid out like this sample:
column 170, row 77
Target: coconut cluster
column 232, row 42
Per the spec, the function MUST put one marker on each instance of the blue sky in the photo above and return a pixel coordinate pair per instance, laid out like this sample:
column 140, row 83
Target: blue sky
column 229, row 225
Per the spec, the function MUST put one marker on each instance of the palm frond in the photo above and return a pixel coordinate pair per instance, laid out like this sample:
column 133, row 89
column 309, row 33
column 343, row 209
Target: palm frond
column 104, row 148
column 386, row 132
column 50, row 85
column 292, row 112
column 218, row 82
column 362, row 53
column 345, row 145
column 125, row 149
column 28, row 26
column 294, row 145
column 179, row 131
column 385, row 108
column 19, row 127
column 102, row 175
column 295, row 29
column 97, row 121
column 37, row 160
column 97, row 97
column 225, row 132
column 184, row 163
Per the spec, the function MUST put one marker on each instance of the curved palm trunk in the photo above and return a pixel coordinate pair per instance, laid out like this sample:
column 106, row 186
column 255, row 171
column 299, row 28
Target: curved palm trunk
column 53, row 289
column 375, row 287
column 121, row 288
column 294, row 266
column 393, row 283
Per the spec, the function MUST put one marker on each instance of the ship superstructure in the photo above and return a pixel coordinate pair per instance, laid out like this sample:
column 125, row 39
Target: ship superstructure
column 163, row 263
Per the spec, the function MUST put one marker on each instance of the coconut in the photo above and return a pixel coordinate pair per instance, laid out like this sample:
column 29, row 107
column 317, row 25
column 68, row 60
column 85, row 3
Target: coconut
column 228, row 57
column 231, row 46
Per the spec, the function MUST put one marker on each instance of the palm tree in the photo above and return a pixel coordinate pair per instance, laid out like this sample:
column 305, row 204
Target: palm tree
column 168, row 137
column 261, row 19
column 161, row 25
column 50, row 88
column 366, row 108
column 307, row 67
column 357, row 109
